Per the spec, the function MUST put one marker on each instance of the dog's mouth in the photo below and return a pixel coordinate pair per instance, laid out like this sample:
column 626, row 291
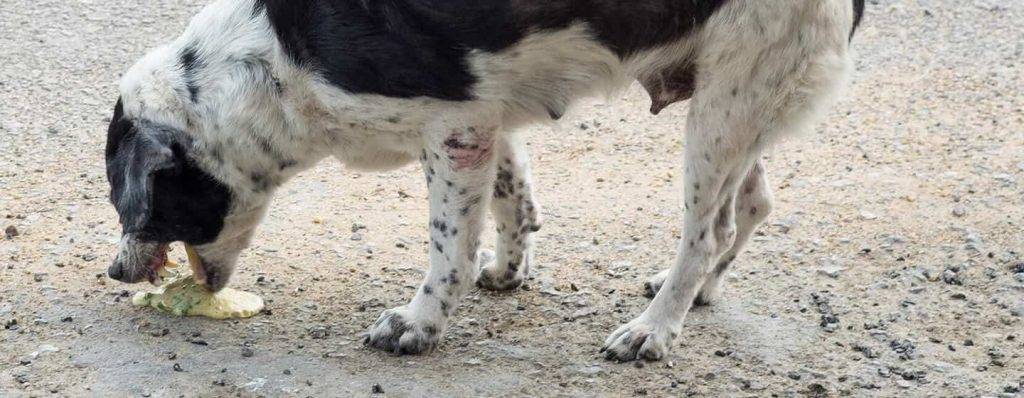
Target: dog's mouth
column 157, row 263
column 139, row 261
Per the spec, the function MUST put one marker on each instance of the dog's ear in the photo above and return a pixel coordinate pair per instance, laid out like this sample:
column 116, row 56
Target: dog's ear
column 136, row 152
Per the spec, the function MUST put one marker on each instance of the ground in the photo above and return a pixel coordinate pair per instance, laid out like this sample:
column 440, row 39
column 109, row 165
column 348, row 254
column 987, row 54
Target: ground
column 891, row 266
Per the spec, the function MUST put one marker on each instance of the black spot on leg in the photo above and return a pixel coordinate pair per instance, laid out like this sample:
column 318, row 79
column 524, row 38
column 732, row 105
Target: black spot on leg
column 753, row 210
column 464, row 211
column 702, row 233
column 691, row 243
column 444, row 307
column 439, row 225
column 453, row 277
column 439, row 247
column 455, row 231
column 735, row 91
column 696, row 186
column 428, row 290
column 707, row 156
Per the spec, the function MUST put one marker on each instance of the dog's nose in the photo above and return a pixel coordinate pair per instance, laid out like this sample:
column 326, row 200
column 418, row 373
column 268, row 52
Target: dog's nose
column 116, row 271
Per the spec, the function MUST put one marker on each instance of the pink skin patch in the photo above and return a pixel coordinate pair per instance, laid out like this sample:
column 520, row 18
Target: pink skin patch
column 157, row 262
column 468, row 155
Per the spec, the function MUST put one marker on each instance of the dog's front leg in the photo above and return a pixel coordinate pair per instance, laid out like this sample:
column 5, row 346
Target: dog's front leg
column 459, row 165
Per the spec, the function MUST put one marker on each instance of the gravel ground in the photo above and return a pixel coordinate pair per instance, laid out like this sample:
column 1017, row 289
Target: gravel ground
column 892, row 266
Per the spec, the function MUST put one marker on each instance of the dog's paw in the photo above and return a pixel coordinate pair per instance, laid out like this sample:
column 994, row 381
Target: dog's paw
column 494, row 277
column 639, row 339
column 654, row 283
column 400, row 331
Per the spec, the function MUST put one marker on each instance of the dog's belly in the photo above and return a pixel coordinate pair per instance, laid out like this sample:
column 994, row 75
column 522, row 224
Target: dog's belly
column 376, row 150
column 373, row 159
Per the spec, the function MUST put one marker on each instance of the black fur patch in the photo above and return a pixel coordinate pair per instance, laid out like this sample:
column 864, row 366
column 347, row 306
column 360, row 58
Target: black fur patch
column 410, row 48
column 160, row 194
column 858, row 15
column 189, row 64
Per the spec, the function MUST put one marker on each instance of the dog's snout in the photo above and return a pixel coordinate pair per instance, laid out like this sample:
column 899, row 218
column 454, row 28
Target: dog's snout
column 116, row 271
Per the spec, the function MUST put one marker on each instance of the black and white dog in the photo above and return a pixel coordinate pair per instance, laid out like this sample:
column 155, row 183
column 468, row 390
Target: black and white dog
column 255, row 91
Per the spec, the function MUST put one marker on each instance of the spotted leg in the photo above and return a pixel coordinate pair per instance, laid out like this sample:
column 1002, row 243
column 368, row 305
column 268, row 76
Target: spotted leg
column 780, row 84
column 753, row 205
column 516, row 216
column 458, row 162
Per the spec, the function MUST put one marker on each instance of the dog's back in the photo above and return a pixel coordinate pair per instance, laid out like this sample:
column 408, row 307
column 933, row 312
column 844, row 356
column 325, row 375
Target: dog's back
column 413, row 48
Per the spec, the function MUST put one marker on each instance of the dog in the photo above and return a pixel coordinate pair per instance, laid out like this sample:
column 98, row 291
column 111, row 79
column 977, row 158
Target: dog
column 255, row 91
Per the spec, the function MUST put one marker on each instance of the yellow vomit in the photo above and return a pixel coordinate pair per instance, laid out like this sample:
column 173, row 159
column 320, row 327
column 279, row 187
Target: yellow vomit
column 182, row 295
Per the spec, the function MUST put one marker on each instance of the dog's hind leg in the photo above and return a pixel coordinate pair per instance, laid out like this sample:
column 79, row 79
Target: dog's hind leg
column 752, row 87
column 753, row 204
column 516, row 216
column 458, row 160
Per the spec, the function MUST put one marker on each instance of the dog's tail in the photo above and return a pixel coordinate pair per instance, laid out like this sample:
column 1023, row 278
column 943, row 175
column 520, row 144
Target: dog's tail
column 858, row 14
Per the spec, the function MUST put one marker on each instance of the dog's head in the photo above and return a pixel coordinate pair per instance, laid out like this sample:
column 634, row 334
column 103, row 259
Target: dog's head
column 161, row 194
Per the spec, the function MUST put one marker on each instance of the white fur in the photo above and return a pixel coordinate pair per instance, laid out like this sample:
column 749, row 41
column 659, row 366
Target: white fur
column 767, row 69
